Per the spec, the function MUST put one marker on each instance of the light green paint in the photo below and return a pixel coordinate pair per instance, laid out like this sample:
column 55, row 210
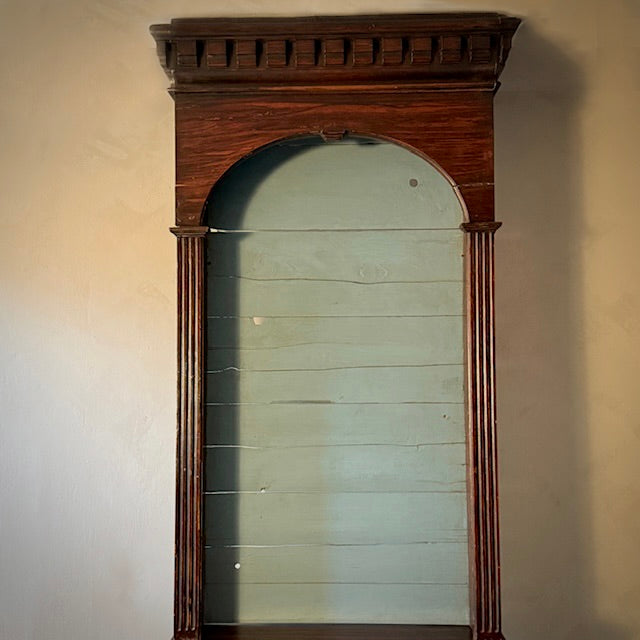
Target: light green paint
column 431, row 383
column 318, row 298
column 346, row 603
column 335, row 186
column 280, row 425
column 335, row 468
column 384, row 564
column 362, row 257
column 336, row 518
column 315, row 343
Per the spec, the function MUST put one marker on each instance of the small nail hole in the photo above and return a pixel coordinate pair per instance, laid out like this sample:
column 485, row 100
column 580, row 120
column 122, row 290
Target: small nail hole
column 413, row 182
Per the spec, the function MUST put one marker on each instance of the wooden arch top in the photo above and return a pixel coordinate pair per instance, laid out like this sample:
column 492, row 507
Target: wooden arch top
column 423, row 81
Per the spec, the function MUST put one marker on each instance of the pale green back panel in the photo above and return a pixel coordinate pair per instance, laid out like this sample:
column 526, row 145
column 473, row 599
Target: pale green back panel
column 350, row 185
column 335, row 461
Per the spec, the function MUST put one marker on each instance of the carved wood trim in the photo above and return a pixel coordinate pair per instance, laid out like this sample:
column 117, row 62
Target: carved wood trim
column 464, row 50
column 189, row 455
column 423, row 81
column 484, row 555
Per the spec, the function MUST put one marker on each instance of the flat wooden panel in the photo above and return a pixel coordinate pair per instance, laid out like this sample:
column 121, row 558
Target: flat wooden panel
column 385, row 564
column 338, row 468
column 346, row 518
column 287, row 188
column 335, row 632
column 358, row 256
column 339, row 603
column 320, row 311
column 440, row 384
column 453, row 128
column 315, row 343
column 315, row 425
column 302, row 298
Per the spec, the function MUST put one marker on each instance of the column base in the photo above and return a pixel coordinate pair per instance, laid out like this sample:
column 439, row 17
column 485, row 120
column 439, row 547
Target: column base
column 490, row 635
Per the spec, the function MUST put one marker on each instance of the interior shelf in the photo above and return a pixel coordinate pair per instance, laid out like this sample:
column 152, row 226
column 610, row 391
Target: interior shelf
column 335, row 632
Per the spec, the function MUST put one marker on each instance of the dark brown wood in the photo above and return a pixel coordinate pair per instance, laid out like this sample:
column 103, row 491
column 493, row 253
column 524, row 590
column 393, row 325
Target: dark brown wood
column 484, row 553
column 189, row 457
column 425, row 82
column 336, row 632
column 419, row 52
column 451, row 130
column 481, row 226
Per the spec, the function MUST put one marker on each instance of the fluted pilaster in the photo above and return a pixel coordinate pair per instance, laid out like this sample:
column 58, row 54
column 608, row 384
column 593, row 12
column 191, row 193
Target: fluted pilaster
column 484, row 529
column 188, row 542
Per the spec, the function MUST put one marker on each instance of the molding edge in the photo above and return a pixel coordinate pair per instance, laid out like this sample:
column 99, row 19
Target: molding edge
column 480, row 226
column 189, row 232
column 426, row 51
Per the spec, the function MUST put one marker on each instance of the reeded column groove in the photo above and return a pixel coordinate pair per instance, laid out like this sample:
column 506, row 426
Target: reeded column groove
column 188, row 542
column 484, row 529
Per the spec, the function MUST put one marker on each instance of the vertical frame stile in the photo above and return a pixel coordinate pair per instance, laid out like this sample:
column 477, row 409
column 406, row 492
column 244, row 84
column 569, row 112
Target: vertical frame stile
column 481, row 416
column 189, row 459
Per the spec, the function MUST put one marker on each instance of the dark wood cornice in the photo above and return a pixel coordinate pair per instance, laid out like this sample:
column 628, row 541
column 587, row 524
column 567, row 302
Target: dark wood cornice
column 377, row 53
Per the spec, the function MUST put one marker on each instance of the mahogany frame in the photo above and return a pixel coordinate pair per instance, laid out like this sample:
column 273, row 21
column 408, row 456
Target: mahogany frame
column 425, row 82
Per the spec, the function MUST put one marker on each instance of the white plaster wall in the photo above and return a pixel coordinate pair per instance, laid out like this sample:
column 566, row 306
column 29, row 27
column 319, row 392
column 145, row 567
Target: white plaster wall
column 87, row 315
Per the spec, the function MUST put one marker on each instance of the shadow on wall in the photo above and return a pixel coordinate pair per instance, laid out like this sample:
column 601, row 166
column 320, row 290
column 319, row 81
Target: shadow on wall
column 312, row 570
column 547, row 539
column 225, row 209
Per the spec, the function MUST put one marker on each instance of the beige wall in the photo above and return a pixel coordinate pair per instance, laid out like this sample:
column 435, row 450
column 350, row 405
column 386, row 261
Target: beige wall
column 87, row 316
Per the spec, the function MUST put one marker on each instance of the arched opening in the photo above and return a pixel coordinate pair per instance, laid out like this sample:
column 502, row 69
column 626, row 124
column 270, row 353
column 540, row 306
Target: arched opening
column 335, row 464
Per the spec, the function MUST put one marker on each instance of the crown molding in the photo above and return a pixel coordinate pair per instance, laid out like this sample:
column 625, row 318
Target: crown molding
column 421, row 52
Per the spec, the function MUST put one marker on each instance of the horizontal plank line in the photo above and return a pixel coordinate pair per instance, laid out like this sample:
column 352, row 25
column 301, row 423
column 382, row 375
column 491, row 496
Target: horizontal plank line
column 287, row 630
column 364, row 628
column 304, row 344
column 343, row 544
column 381, row 584
column 337, row 280
column 327, row 446
column 429, row 315
column 266, row 491
column 363, row 366
column 323, row 402
column 342, row 230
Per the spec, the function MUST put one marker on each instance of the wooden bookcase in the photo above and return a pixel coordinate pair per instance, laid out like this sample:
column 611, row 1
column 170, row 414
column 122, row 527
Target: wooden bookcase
column 425, row 82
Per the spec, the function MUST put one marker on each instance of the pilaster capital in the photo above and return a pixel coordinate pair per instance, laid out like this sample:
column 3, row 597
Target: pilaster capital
column 189, row 232
column 480, row 227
